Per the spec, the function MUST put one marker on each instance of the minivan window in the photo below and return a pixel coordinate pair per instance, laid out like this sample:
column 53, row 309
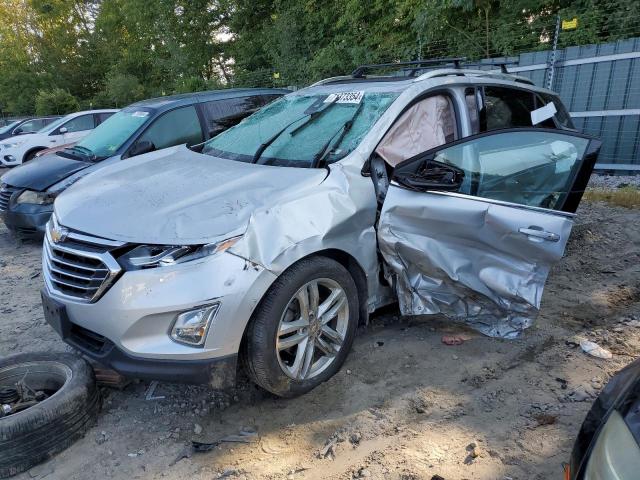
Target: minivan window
column 225, row 113
column 176, row 127
column 113, row 132
column 300, row 127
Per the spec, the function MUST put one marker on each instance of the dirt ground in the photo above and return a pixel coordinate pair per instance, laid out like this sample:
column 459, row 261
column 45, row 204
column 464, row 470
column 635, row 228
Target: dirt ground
column 404, row 406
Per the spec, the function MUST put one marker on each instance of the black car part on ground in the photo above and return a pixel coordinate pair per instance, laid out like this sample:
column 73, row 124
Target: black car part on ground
column 69, row 403
column 621, row 393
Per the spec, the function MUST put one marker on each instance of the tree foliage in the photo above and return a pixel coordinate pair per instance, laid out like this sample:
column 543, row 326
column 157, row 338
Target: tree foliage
column 112, row 52
column 55, row 102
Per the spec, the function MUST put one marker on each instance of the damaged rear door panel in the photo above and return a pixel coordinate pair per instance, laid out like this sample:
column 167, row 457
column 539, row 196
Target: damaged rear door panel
column 471, row 229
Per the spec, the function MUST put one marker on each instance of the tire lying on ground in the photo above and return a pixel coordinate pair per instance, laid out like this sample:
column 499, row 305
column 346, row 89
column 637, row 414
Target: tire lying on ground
column 35, row 434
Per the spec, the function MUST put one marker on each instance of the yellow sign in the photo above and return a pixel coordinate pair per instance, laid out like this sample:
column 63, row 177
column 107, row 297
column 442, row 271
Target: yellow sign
column 570, row 24
column 276, row 75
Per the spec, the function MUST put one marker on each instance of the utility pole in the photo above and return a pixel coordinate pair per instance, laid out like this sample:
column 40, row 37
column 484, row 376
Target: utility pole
column 552, row 61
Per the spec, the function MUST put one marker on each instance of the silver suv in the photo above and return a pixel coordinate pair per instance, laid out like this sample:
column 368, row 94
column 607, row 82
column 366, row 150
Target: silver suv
column 451, row 191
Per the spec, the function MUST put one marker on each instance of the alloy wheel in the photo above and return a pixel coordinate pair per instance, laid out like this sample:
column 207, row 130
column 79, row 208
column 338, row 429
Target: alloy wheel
column 312, row 329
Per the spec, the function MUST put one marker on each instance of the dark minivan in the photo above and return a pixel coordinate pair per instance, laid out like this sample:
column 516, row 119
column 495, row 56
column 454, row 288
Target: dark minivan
column 27, row 192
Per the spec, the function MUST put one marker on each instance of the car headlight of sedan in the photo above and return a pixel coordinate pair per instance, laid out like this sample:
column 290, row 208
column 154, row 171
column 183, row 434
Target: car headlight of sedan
column 152, row 256
column 36, row 198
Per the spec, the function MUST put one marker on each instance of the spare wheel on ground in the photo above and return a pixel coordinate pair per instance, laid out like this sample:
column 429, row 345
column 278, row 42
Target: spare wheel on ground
column 47, row 402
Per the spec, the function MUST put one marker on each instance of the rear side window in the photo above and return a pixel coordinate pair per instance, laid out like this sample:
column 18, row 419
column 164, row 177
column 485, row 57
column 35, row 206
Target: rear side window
column 176, row 127
column 223, row 114
column 103, row 116
column 78, row 124
column 505, row 108
column 562, row 115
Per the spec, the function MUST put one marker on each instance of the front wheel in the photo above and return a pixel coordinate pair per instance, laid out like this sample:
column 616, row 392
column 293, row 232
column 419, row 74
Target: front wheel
column 302, row 331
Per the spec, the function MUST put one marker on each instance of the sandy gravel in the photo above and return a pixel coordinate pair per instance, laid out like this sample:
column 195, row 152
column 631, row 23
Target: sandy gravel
column 405, row 406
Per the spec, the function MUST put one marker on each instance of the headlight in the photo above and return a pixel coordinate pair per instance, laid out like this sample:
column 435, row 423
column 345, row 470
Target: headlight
column 151, row 256
column 615, row 454
column 13, row 144
column 191, row 327
column 37, row 198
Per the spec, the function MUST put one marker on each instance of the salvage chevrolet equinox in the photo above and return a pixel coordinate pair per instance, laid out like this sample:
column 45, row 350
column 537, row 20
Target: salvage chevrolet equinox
column 449, row 190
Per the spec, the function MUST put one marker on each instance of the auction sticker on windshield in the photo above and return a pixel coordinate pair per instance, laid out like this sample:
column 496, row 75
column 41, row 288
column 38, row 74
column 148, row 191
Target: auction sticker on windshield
column 141, row 114
column 345, row 97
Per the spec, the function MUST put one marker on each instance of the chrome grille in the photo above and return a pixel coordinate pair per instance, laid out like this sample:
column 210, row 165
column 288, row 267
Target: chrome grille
column 5, row 194
column 78, row 266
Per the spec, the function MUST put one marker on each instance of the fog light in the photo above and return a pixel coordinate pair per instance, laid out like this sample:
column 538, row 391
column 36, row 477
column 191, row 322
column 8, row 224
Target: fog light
column 191, row 327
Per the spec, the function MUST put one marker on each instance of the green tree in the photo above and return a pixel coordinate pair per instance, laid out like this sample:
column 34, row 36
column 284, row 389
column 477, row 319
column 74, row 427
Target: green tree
column 55, row 102
column 123, row 89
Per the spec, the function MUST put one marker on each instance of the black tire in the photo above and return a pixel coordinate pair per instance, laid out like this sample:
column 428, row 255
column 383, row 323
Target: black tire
column 36, row 434
column 30, row 156
column 260, row 357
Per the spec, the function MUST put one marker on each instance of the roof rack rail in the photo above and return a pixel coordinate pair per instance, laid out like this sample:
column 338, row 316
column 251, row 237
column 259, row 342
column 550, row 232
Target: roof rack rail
column 359, row 72
column 500, row 63
column 444, row 72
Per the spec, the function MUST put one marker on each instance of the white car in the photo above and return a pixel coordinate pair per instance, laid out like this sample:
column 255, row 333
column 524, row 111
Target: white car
column 68, row 129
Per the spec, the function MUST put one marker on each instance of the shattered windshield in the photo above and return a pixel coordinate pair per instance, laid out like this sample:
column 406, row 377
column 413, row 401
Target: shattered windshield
column 303, row 130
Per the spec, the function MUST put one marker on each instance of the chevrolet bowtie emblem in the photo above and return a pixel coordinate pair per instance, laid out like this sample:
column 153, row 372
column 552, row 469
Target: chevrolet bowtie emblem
column 58, row 233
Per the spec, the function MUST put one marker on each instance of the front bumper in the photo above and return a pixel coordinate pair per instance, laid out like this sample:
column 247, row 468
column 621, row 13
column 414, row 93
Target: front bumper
column 133, row 319
column 27, row 220
column 217, row 372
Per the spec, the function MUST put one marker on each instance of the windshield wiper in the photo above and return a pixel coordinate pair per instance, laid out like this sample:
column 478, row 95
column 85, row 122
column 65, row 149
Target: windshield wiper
column 265, row 145
column 331, row 146
column 84, row 151
column 311, row 117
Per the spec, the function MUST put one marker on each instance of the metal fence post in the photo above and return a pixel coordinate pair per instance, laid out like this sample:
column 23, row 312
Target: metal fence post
column 552, row 62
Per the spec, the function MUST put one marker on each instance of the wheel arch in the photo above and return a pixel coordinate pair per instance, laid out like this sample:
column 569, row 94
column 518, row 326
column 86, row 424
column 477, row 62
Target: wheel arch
column 345, row 259
column 32, row 150
column 357, row 273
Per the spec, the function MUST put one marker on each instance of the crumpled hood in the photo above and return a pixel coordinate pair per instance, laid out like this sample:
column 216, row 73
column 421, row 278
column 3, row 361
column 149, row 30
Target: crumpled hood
column 40, row 173
column 177, row 196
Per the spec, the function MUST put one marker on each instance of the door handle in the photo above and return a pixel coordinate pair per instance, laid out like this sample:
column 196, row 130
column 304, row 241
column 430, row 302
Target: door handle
column 539, row 233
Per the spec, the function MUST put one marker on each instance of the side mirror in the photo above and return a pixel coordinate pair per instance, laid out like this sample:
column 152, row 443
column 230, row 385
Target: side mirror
column 18, row 131
column 143, row 146
column 63, row 130
column 433, row 175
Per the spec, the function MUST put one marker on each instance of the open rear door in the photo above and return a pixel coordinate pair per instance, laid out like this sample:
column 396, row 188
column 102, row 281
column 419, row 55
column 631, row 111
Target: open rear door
column 471, row 229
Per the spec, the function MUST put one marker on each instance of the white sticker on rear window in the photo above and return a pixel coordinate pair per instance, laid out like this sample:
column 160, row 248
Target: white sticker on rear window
column 140, row 114
column 541, row 114
column 345, row 97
